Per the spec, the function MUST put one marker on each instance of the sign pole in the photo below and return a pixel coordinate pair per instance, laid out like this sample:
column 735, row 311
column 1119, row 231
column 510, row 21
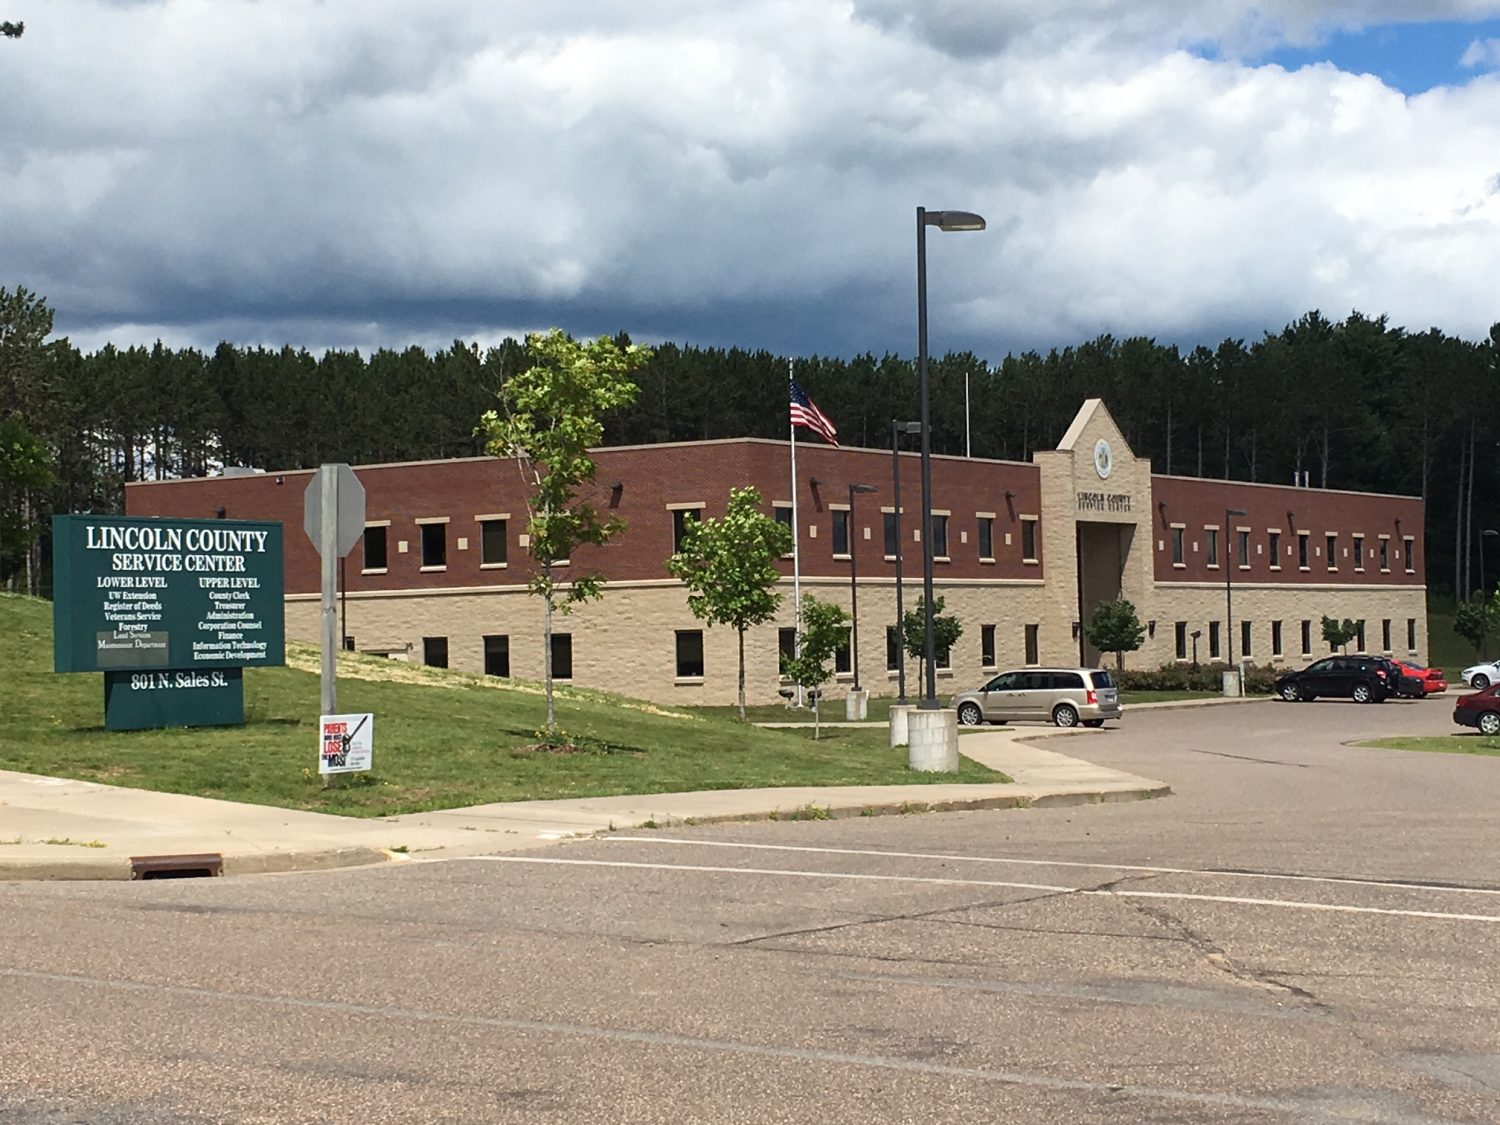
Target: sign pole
column 328, row 548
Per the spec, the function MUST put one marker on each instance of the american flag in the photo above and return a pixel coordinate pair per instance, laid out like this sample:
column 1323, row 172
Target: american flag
column 806, row 413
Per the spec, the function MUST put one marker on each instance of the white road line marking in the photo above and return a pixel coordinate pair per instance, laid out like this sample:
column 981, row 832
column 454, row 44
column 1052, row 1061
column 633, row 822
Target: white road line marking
column 1063, row 863
column 1181, row 896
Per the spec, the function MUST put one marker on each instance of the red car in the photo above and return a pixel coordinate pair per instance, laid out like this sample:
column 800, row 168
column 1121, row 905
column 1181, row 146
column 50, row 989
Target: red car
column 1481, row 710
column 1432, row 678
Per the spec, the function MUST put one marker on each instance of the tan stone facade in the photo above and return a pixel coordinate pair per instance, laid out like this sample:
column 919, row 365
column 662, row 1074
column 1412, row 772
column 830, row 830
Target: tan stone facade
column 1085, row 522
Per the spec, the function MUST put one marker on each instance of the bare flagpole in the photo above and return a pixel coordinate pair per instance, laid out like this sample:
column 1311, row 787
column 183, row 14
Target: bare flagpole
column 796, row 550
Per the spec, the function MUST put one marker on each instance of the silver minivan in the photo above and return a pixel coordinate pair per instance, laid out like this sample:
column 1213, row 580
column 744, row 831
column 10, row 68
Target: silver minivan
column 1065, row 696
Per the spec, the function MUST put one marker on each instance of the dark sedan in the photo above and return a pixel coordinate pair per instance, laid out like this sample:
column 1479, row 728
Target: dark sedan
column 1480, row 710
column 1360, row 678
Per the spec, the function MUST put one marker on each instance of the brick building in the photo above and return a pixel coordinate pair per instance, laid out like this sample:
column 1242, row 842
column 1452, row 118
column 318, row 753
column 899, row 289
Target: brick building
column 1024, row 551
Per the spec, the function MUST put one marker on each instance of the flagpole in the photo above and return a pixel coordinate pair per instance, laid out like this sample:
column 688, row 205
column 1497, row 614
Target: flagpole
column 796, row 549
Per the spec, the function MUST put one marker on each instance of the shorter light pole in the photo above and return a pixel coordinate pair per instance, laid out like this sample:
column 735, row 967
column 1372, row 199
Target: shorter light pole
column 1229, row 588
column 897, row 429
column 1484, row 597
column 854, row 580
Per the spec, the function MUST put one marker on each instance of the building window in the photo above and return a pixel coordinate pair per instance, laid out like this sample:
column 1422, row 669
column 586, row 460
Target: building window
column 492, row 549
column 1302, row 550
column 1385, row 554
column 1211, row 546
column 1213, row 640
column 987, row 646
column 689, row 654
column 1245, row 632
column 1243, row 548
column 1411, row 634
column 1276, row 638
column 1028, row 540
column 1177, row 555
column 1181, row 632
column 1306, row 637
column 942, row 658
column 1332, row 546
column 562, row 656
column 939, row 538
column 986, row 537
column 435, row 652
column 841, row 663
column 841, row 531
column 375, row 558
column 1360, row 635
column 892, row 540
column 1359, row 553
column 1274, row 547
column 1033, row 645
column 680, row 518
column 1409, row 554
column 497, row 655
column 783, row 514
column 1385, row 635
column 434, row 545
column 786, row 648
column 892, row 649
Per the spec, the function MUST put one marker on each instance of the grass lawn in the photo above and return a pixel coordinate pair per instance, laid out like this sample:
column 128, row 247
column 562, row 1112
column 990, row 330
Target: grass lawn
column 442, row 739
column 1470, row 742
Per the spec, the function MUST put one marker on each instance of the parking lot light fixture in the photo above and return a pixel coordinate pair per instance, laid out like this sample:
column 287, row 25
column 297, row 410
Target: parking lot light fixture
column 898, row 428
column 946, row 221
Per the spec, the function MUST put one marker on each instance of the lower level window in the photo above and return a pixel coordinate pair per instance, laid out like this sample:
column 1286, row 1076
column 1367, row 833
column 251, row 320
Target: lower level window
column 892, row 649
column 987, row 645
column 1033, row 644
column 786, row 648
column 435, row 652
column 1213, row 640
column 1306, row 637
column 497, row 655
column 1411, row 633
column 562, row 656
column 690, row 653
column 841, row 664
column 1385, row 629
column 1276, row 638
column 1245, row 639
column 1180, row 630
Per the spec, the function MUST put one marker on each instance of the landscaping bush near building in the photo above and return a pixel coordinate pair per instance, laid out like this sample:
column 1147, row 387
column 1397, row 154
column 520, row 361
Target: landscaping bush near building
column 1187, row 677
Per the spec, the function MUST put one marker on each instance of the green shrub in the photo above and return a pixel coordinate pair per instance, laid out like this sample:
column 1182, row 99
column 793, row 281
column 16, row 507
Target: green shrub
column 1185, row 677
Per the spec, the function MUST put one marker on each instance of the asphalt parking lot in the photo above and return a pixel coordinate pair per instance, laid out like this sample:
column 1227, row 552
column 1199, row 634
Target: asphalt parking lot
column 1304, row 932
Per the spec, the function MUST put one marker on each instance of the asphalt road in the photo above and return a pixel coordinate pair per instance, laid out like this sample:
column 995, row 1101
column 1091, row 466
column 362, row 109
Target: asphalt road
column 1307, row 931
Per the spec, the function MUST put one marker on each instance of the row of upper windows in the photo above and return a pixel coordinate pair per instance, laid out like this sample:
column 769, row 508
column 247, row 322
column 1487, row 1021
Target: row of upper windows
column 1247, row 638
column 1356, row 553
column 493, row 543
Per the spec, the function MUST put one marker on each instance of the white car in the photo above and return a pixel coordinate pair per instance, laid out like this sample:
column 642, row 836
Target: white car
column 1482, row 676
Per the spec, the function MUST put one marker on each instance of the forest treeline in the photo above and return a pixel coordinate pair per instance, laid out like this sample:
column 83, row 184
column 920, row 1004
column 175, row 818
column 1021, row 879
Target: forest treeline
column 1356, row 404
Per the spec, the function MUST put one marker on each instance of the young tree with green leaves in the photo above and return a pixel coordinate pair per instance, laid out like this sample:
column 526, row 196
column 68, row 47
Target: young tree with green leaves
column 823, row 629
column 729, row 567
column 1477, row 619
column 1338, row 633
column 25, row 475
column 1114, row 627
column 945, row 633
column 550, row 418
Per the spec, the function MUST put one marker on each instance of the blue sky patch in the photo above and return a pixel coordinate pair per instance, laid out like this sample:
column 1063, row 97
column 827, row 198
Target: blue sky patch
column 1410, row 57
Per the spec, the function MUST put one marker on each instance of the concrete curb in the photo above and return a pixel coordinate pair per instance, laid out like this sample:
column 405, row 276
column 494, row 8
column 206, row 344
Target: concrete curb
column 120, row 868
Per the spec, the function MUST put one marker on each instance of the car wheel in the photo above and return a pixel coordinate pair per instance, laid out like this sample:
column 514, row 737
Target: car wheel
column 1363, row 694
column 1093, row 722
column 1480, row 681
column 1066, row 715
column 1489, row 724
column 969, row 715
column 1291, row 693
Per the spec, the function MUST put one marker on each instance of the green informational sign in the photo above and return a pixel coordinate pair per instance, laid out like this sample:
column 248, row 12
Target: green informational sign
column 147, row 700
column 141, row 594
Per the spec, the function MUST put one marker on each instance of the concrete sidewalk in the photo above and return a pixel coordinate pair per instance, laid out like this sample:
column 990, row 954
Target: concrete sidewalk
column 52, row 828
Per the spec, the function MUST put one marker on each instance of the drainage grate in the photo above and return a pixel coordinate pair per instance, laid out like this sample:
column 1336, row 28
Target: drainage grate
column 176, row 866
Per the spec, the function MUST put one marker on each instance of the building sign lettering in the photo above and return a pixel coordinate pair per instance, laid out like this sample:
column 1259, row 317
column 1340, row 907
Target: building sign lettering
column 1104, row 501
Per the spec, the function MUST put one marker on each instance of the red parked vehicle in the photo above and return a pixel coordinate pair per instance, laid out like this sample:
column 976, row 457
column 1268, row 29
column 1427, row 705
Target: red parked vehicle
column 1481, row 710
column 1432, row 678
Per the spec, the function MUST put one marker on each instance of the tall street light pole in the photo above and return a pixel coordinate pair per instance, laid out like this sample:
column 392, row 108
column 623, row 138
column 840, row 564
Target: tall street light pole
column 897, row 429
column 1484, row 597
column 950, row 221
column 1229, row 585
column 854, row 489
